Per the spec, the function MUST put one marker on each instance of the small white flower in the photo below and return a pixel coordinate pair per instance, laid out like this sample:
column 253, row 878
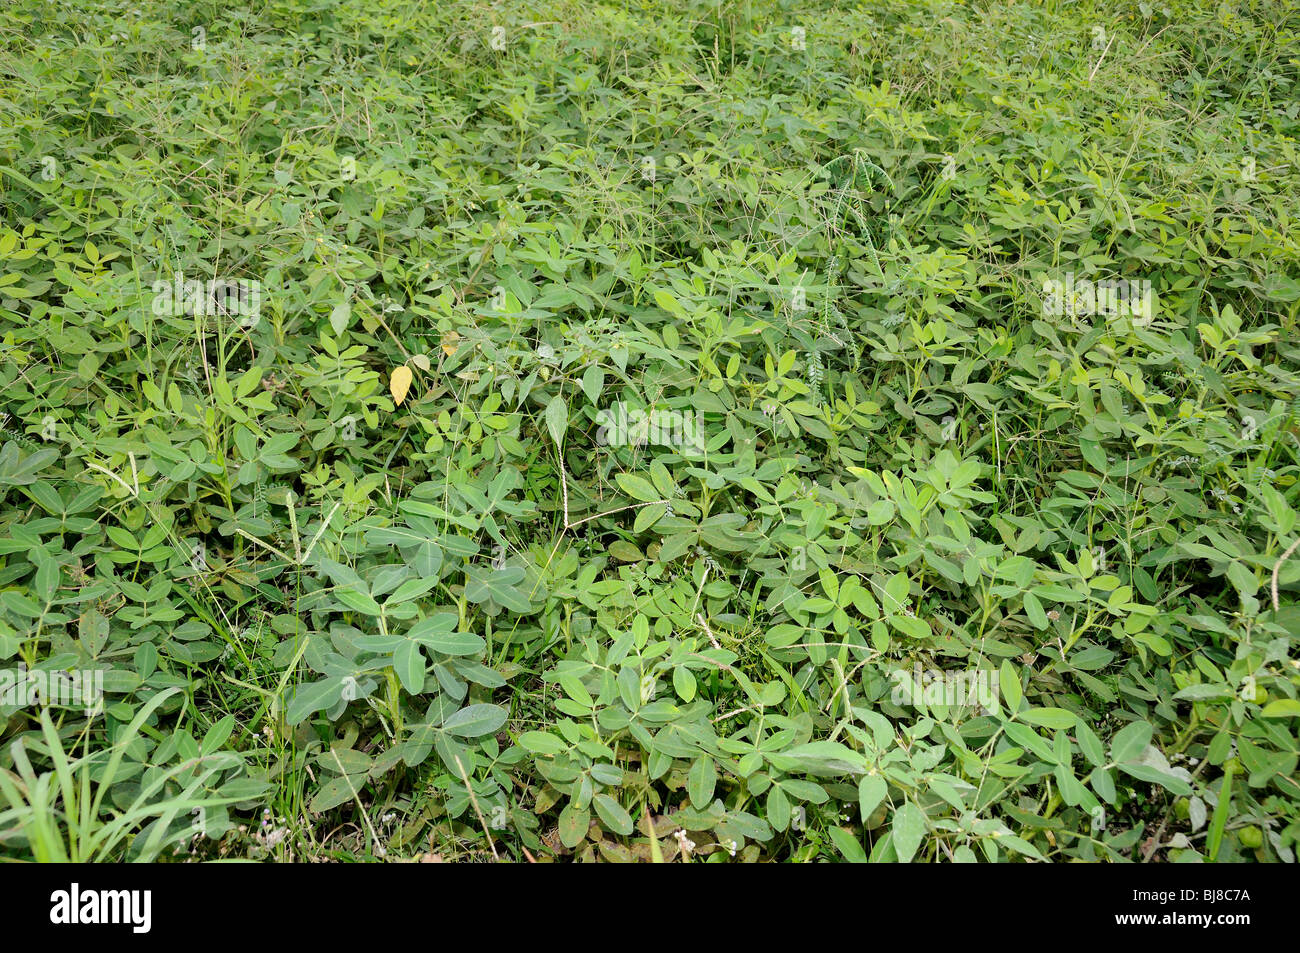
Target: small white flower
column 684, row 843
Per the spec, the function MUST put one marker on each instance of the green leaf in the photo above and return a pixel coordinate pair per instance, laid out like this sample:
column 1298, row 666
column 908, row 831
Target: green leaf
column 1050, row 717
column 593, row 382
column 1147, row 772
column 871, row 792
column 669, row 304
column 684, row 683
column 1093, row 453
column 1009, row 686
column 574, row 824
column 911, row 626
column 828, row 758
column 637, row 487
column 408, row 662
column 1034, row 610
column 310, row 697
column 340, row 317
column 332, row 793
column 433, row 633
column 499, row 585
column 474, row 721
column 848, row 845
column 543, row 743
column 360, row 601
column 647, row 516
column 700, row 781
column 1130, row 741
column 1203, row 692
column 908, row 830
column 217, row 735
column 612, row 814
column 557, row 419
column 1281, row 708
column 1090, row 745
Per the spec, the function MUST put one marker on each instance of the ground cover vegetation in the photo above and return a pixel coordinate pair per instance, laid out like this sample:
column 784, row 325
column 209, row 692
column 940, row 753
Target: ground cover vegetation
column 666, row 432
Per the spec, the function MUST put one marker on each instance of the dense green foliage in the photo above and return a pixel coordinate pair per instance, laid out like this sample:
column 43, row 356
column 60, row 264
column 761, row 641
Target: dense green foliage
column 337, row 620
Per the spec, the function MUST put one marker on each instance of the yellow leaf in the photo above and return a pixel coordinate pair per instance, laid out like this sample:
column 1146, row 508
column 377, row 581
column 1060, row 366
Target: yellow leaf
column 450, row 341
column 400, row 383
